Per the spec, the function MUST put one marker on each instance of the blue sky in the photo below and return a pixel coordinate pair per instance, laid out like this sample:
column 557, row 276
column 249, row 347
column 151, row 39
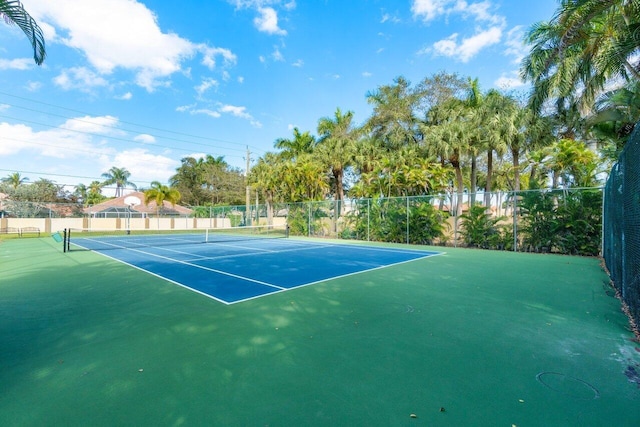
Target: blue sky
column 141, row 84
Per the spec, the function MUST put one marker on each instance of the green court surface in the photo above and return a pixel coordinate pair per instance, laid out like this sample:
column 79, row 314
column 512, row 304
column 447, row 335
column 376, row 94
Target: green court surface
column 468, row 338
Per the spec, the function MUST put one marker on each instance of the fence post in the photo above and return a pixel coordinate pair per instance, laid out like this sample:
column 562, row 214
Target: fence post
column 515, row 223
column 368, row 219
column 309, row 220
column 407, row 220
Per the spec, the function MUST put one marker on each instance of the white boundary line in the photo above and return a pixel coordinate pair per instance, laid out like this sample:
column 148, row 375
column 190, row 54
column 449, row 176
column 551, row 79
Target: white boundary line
column 341, row 276
column 248, row 279
column 279, row 288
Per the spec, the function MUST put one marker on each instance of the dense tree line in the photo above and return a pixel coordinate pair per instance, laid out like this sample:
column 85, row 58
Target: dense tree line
column 445, row 133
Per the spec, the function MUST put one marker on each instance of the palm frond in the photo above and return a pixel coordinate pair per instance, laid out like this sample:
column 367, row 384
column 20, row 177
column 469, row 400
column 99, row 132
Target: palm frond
column 14, row 12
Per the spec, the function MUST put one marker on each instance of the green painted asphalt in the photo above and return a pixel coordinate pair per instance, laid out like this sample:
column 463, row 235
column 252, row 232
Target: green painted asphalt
column 468, row 338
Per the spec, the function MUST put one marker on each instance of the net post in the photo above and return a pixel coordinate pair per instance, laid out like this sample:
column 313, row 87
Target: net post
column 64, row 240
column 68, row 239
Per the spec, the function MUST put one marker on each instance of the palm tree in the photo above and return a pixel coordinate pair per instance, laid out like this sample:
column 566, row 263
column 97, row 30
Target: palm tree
column 447, row 139
column 473, row 104
column 94, row 195
column 14, row 13
column 492, row 121
column 265, row 178
column 302, row 143
column 159, row 193
column 119, row 177
column 573, row 162
column 15, row 180
column 587, row 44
column 81, row 192
column 616, row 113
column 336, row 147
column 393, row 121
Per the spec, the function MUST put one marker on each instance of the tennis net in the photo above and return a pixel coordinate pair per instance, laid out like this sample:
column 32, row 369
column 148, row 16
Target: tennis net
column 100, row 240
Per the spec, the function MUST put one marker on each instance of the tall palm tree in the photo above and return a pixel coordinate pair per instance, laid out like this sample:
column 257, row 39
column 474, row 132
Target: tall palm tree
column 492, row 120
column 158, row 193
column 94, row 195
column 616, row 113
column 265, row 178
column 447, row 139
column 81, row 192
column 119, row 177
column 393, row 121
column 587, row 44
column 473, row 104
column 302, row 143
column 15, row 179
column 14, row 13
column 338, row 136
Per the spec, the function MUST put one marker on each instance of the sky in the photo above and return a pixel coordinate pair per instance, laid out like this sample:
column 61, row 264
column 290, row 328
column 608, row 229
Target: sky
column 141, row 84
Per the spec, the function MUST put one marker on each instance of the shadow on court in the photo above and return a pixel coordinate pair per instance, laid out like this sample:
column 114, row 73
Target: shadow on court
column 467, row 338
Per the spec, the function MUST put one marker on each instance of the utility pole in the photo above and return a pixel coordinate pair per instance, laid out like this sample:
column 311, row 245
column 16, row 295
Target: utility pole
column 248, row 193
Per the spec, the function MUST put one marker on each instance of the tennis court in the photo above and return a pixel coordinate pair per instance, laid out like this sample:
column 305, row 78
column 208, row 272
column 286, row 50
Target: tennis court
column 235, row 266
column 469, row 337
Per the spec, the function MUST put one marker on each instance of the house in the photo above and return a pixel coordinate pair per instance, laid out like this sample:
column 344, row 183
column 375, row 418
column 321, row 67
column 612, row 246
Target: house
column 132, row 206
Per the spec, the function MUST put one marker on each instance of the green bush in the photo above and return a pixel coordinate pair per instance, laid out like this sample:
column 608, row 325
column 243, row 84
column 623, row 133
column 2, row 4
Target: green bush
column 385, row 220
column 479, row 229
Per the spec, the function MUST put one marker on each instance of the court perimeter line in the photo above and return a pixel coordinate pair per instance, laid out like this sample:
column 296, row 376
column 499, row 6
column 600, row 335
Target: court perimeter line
column 340, row 277
column 213, row 258
column 159, row 276
column 198, row 266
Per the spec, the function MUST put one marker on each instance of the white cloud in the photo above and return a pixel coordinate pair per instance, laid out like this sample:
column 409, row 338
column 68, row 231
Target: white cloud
column 235, row 111
column 222, row 109
column 479, row 11
column 206, row 84
column 387, row 17
column 120, row 34
column 210, row 53
column 104, row 125
column 125, row 97
column 72, row 140
column 366, row 74
column 16, row 64
column 240, row 112
column 509, row 81
column 33, row 86
column 143, row 165
column 462, row 47
column 206, row 112
column 468, row 47
column 298, row 63
column 145, row 138
column 277, row 55
column 79, row 78
column 515, row 46
column 267, row 22
column 428, row 10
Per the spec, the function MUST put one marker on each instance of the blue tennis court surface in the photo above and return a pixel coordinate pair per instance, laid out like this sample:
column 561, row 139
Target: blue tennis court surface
column 235, row 271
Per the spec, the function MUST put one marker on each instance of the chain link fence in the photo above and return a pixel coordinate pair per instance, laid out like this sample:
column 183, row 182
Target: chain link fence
column 621, row 227
column 567, row 221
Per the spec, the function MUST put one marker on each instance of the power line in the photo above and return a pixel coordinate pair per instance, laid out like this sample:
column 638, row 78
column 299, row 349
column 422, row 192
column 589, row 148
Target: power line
column 65, row 176
column 96, row 135
column 121, row 121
